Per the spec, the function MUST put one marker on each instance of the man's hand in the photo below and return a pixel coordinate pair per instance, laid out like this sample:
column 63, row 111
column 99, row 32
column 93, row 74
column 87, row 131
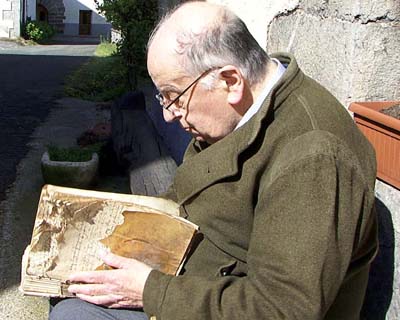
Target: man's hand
column 119, row 288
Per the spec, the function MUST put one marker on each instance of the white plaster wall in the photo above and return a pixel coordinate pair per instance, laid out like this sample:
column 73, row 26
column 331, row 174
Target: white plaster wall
column 9, row 18
column 72, row 8
column 257, row 14
column 5, row 24
column 356, row 42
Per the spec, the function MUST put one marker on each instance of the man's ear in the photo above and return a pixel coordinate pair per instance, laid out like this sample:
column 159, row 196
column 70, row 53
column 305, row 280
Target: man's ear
column 234, row 82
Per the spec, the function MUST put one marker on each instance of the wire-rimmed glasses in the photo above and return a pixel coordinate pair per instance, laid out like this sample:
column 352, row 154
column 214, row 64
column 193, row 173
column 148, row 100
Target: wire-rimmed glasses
column 164, row 101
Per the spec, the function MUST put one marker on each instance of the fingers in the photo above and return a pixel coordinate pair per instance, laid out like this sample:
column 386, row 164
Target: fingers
column 89, row 276
column 105, row 300
column 90, row 289
column 112, row 288
column 116, row 261
column 119, row 262
column 109, row 301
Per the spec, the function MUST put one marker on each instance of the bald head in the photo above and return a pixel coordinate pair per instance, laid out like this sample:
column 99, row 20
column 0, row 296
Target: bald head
column 194, row 17
column 199, row 36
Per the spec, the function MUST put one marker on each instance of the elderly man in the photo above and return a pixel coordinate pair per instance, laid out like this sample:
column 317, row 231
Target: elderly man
column 277, row 176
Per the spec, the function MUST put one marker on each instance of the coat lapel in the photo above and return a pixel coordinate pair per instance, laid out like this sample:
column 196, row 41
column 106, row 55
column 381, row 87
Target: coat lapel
column 204, row 167
column 214, row 163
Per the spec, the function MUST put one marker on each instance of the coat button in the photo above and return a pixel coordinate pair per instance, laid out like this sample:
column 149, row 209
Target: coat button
column 224, row 272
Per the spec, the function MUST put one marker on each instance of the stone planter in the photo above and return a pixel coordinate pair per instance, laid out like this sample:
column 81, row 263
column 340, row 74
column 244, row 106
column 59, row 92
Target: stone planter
column 384, row 134
column 70, row 174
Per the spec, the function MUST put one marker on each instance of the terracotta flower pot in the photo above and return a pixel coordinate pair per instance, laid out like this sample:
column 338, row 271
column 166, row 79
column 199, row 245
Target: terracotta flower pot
column 383, row 132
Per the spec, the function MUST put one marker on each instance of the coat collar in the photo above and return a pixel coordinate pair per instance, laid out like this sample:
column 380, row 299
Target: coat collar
column 205, row 165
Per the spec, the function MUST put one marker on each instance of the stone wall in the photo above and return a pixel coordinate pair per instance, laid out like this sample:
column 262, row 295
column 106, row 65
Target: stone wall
column 351, row 47
column 56, row 11
column 9, row 18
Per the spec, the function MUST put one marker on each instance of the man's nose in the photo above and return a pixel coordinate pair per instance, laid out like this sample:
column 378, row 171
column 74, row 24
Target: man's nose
column 171, row 115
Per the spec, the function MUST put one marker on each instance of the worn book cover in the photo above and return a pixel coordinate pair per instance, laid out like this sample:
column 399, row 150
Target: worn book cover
column 72, row 225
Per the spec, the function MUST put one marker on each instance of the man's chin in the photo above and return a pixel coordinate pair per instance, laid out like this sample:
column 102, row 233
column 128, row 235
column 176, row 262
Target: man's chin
column 195, row 135
column 198, row 137
column 202, row 139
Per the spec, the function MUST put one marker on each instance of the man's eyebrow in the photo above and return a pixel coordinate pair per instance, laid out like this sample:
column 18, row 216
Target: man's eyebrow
column 169, row 88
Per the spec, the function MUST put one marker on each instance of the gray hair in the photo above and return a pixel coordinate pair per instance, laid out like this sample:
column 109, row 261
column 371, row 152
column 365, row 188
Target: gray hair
column 225, row 41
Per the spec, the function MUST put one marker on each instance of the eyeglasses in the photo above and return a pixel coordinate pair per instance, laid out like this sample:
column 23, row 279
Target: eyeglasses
column 161, row 99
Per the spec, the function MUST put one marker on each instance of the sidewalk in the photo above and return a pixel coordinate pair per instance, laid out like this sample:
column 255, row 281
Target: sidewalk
column 57, row 46
column 65, row 123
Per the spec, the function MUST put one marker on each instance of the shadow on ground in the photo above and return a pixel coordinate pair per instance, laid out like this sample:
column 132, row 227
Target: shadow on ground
column 380, row 284
column 67, row 120
column 73, row 40
column 29, row 86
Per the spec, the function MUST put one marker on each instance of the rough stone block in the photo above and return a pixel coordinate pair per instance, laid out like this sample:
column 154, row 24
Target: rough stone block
column 323, row 58
column 354, row 61
column 349, row 10
column 139, row 148
column 376, row 62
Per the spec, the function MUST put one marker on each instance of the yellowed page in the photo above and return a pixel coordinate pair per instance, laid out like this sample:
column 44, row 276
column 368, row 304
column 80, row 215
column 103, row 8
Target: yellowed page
column 70, row 224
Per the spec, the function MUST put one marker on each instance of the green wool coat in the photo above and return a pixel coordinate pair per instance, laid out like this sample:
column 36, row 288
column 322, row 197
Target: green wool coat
column 285, row 205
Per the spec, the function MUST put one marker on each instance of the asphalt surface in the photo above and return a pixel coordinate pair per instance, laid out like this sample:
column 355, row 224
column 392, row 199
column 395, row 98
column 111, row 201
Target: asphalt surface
column 66, row 121
column 31, row 79
column 33, row 114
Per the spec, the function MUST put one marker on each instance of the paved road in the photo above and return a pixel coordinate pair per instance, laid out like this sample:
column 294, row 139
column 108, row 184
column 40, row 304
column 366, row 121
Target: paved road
column 31, row 83
column 31, row 79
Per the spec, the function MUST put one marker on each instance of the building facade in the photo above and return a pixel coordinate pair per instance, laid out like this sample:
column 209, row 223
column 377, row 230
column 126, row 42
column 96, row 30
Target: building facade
column 10, row 17
column 82, row 18
column 69, row 17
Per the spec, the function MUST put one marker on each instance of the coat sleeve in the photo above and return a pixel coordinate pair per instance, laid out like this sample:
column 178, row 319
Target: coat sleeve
column 170, row 193
column 300, row 250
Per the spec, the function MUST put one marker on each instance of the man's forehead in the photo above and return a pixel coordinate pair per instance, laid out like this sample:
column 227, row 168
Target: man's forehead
column 163, row 58
column 163, row 61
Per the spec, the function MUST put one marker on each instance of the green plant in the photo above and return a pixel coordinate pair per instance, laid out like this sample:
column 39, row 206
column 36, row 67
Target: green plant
column 72, row 154
column 134, row 19
column 105, row 49
column 38, row 31
column 100, row 79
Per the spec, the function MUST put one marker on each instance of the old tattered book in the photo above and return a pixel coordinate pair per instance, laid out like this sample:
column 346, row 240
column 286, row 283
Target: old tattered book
column 73, row 225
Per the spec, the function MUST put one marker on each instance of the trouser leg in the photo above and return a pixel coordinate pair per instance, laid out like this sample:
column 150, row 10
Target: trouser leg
column 76, row 309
